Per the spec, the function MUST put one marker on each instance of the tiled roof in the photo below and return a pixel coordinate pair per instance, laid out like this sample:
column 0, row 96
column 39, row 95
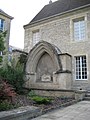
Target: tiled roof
column 59, row 7
column 5, row 14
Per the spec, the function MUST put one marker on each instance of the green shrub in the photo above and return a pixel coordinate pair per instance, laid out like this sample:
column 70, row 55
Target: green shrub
column 31, row 93
column 41, row 100
column 14, row 76
column 4, row 105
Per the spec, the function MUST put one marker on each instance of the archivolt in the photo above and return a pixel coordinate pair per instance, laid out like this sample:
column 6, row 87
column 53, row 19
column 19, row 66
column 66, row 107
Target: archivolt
column 39, row 49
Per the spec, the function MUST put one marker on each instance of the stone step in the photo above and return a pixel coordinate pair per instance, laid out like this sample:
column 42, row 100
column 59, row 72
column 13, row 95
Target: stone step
column 87, row 95
column 88, row 91
column 87, row 98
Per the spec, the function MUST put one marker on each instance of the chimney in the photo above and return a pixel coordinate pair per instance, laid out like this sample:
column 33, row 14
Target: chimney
column 50, row 1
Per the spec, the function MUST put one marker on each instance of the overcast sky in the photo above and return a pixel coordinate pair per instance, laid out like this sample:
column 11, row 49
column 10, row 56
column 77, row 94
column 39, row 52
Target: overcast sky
column 23, row 12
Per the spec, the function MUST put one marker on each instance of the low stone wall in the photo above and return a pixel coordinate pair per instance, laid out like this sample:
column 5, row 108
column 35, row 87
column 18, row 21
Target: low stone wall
column 78, row 95
column 54, row 93
column 22, row 113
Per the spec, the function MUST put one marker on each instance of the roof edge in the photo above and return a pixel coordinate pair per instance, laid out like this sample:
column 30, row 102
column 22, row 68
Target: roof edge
column 5, row 14
column 20, row 51
column 31, row 23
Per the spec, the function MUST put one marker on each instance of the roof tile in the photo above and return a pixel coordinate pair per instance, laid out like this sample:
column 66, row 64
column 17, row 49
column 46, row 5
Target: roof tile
column 59, row 7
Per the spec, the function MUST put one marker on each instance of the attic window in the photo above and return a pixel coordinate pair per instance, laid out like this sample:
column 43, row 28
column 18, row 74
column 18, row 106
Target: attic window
column 36, row 37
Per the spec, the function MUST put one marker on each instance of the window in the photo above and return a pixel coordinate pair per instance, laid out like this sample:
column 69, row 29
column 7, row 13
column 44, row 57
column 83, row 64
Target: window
column 36, row 37
column 1, row 53
column 9, row 57
column 1, row 24
column 10, row 49
column 81, row 68
column 79, row 29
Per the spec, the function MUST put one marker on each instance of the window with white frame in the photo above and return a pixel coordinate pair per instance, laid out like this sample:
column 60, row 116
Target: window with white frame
column 79, row 32
column 81, row 68
column 1, row 24
column 36, row 37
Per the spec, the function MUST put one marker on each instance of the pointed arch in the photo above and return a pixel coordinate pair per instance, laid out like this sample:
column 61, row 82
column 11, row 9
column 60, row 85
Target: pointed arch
column 36, row 53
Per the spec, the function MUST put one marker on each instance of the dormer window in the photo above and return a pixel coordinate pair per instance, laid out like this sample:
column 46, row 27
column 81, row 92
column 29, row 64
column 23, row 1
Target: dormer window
column 79, row 29
column 1, row 24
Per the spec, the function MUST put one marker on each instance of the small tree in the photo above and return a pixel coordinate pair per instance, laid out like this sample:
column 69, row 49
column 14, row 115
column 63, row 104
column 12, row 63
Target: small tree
column 2, row 47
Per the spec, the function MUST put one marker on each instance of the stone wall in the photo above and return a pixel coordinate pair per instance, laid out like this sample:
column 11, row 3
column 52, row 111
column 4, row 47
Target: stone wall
column 16, row 55
column 55, row 93
column 48, row 77
column 58, row 31
column 7, row 24
column 21, row 113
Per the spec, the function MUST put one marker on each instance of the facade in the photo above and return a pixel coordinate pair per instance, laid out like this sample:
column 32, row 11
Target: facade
column 5, row 22
column 58, row 42
column 14, row 53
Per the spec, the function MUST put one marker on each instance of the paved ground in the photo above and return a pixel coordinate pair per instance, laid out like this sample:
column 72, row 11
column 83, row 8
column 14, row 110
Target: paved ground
column 79, row 111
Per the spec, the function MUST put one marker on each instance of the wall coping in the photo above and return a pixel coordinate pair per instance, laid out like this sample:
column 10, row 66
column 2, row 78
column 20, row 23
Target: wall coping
column 60, row 90
column 21, row 113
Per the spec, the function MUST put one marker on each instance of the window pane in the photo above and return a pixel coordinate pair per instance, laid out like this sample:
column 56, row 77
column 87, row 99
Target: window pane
column 9, row 58
column 1, row 53
column 36, row 37
column 1, row 24
column 81, row 67
column 79, row 29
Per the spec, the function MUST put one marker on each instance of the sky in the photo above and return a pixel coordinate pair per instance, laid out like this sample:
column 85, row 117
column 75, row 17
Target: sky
column 23, row 12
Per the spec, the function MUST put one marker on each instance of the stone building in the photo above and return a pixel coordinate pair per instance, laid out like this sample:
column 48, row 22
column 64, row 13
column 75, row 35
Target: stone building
column 5, row 23
column 58, row 42
column 14, row 53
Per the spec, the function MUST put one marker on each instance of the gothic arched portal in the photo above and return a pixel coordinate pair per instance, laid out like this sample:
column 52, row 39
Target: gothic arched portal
column 44, row 68
column 43, row 59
